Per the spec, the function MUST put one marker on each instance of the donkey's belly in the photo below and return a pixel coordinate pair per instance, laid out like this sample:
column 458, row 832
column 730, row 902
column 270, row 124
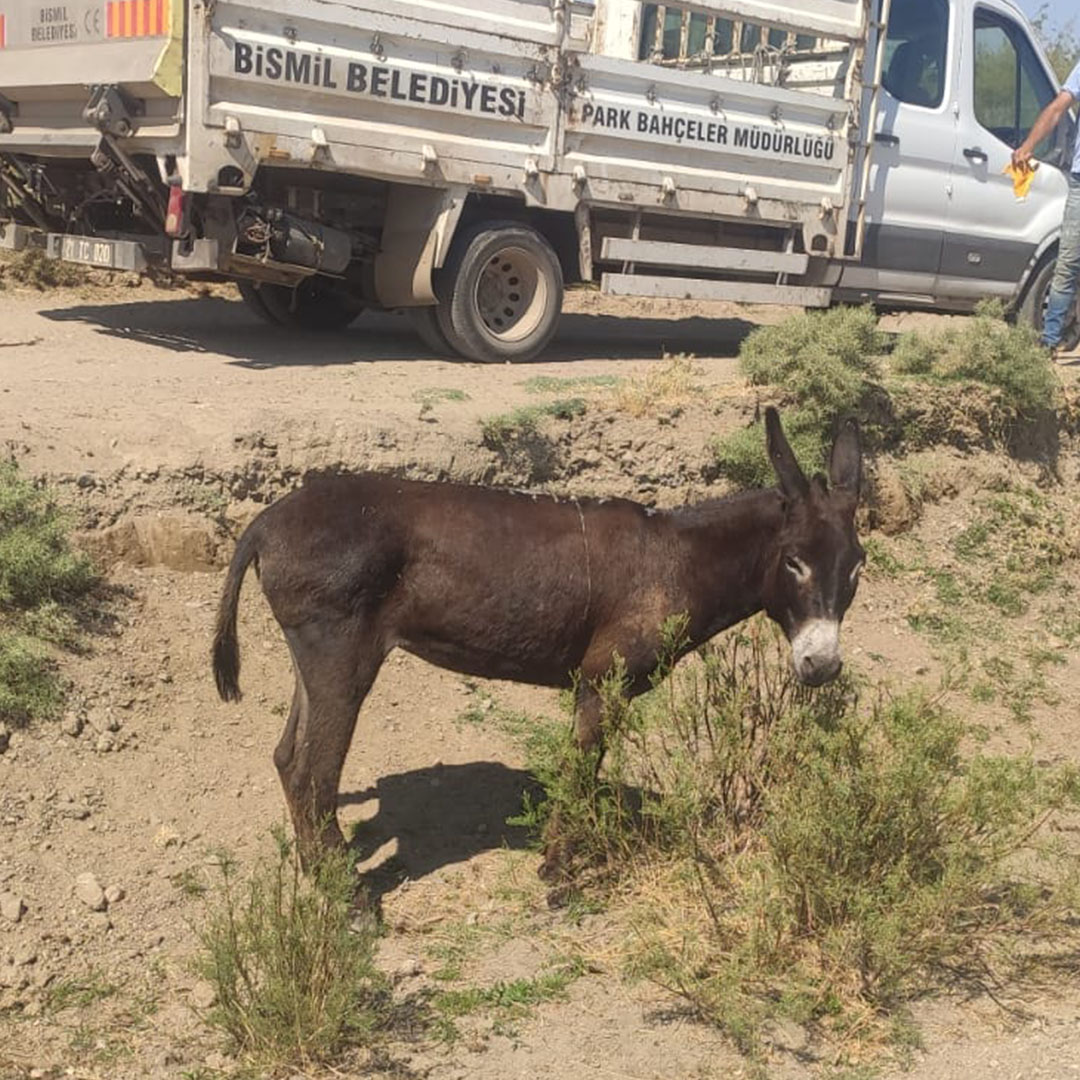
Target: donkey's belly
column 542, row 666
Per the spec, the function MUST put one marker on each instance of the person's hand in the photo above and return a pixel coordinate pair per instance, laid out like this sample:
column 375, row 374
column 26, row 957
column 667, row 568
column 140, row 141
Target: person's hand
column 1021, row 158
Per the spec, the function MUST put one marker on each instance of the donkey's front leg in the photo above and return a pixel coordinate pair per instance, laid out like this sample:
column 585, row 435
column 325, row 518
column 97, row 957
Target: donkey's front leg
column 588, row 735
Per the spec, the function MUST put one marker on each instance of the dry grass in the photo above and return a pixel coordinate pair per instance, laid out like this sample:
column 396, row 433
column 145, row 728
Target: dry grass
column 664, row 390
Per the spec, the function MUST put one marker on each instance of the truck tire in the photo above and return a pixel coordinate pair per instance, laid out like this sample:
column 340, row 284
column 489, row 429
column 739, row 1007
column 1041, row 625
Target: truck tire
column 316, row 304
column 425, row 321
column 501, row 293
column 1033, row 306
column 251, row 294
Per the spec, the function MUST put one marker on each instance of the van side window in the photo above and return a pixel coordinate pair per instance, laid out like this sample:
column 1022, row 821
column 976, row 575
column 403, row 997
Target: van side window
column 916, row 46
column 1011, row 87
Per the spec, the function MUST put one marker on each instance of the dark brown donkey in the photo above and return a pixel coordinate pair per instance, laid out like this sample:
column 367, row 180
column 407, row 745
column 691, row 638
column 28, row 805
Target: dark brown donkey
column 507, row 585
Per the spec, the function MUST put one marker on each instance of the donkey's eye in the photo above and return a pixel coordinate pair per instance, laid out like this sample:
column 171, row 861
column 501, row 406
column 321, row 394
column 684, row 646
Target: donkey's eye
column 797, row 567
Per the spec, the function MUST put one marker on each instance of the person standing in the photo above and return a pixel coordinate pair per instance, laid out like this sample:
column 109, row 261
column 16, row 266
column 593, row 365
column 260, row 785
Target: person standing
column 1067, row 269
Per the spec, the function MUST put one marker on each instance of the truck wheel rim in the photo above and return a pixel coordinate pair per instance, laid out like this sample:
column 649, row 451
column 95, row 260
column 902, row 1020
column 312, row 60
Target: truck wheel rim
column 511, row 295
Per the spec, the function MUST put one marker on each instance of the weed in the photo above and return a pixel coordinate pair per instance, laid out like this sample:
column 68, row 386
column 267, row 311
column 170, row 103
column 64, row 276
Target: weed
column 189, row 883
column 427, row 399
column 880, row 558
column 803, row 854
column 205, row 499
column 554, row 384
column 77, row 993
column 565, row 408
column 293, row 973
column 509, row 1001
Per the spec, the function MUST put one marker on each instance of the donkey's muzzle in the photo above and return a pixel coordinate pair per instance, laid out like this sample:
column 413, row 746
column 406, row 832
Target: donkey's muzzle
column 815, row 652
column 813, row 673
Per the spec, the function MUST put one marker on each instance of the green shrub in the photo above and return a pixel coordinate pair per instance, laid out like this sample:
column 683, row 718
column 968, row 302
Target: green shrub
column 37, row 563
column 742, row 457
column 822, row 359
column 985, row 349
column 292, row 971
column 801, row 854
column 29, row 689
column 824, row 363
column 41, row 578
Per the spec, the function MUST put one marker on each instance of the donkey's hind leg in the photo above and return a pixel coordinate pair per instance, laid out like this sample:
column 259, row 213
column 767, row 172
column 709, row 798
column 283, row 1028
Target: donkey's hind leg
column 335, row 664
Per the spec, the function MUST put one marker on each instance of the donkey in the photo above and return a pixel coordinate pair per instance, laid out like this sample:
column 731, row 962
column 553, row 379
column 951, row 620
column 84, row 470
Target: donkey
column 537, row 589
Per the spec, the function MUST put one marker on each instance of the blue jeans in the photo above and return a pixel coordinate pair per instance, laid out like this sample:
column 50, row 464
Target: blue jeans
column 1066, row 270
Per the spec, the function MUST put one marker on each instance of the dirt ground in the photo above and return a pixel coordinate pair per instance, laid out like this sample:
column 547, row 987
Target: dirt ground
column 167, row 419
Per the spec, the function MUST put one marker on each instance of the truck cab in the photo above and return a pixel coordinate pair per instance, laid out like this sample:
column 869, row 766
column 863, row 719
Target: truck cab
column 962, row 84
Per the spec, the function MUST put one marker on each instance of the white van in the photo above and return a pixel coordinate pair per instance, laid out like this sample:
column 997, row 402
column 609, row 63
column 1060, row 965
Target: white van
column 963, row 83
column 465, row 161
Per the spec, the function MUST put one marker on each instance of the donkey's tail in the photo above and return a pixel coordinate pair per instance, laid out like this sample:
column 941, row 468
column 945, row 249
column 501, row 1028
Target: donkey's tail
column 226, row 649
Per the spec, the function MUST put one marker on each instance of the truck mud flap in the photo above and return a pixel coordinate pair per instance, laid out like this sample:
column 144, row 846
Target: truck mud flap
column 106, row 254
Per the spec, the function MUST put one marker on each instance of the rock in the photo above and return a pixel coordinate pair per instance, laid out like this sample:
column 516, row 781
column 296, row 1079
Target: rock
column 114, row 894
column 12, row 978
column 104, row 744
column 166, row 837
column 88, row 889
column 216, row 1060
column 72, row 724
column 5, row 738
column 203, row 995
column 410, row 968
column 11, row 906
column 24, row 956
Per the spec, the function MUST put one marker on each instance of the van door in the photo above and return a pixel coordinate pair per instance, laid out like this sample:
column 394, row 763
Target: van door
column 908, row 204
column 992, row 237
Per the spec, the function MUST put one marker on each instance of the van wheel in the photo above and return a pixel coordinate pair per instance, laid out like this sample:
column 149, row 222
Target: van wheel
column 1033, row 306
column 425, row 321
column 316, row 304
column 502, row 293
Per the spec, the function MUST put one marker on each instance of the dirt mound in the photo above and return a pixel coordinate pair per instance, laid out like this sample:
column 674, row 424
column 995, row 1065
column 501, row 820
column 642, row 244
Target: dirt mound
column 180, row 542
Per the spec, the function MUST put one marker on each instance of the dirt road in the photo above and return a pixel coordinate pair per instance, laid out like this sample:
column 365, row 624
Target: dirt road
column 182, row 415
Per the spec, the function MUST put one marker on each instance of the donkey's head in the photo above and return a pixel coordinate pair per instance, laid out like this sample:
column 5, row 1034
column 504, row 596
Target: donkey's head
column 815, row 565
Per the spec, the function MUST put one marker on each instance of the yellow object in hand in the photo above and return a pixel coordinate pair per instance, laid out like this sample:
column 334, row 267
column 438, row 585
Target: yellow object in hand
column 1021, row 177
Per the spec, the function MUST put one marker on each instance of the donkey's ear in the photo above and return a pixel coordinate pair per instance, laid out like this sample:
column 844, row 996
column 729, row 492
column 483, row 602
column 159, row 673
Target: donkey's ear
column 793, row 482
column 845, row 462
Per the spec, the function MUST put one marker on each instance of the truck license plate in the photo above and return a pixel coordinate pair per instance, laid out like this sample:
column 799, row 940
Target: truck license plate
column 91, row 252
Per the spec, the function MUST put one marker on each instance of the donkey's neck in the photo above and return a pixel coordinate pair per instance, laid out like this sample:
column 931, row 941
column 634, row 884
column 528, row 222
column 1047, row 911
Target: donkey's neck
column 729, row 545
